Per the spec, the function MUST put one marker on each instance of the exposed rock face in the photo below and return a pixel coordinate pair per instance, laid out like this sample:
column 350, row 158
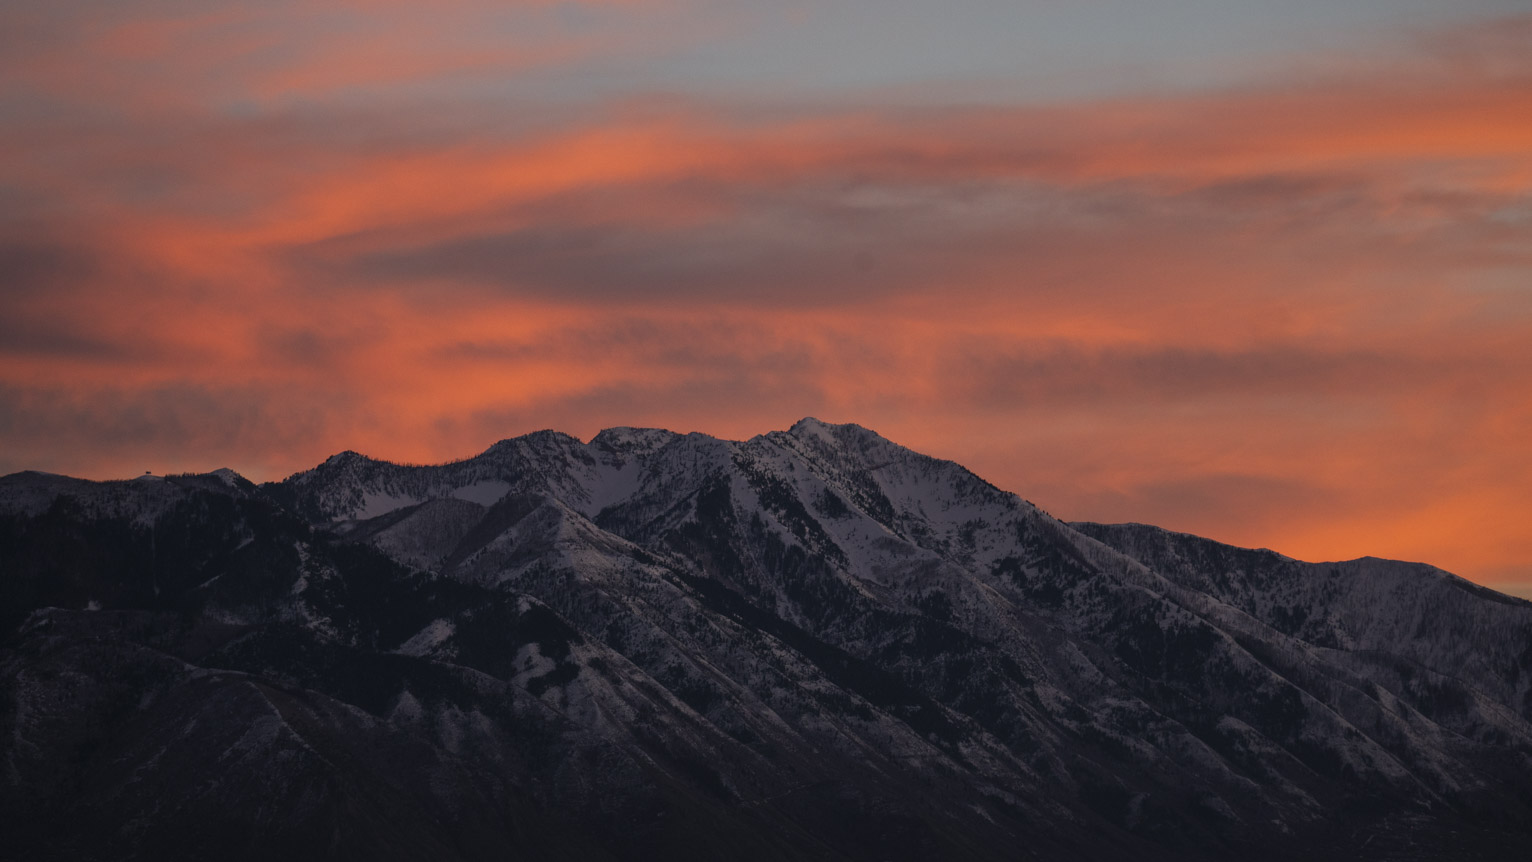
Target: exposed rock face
column 814, row 644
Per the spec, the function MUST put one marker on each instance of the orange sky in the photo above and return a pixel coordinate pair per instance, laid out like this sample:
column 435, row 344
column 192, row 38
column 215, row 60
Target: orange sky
column 1291, row 308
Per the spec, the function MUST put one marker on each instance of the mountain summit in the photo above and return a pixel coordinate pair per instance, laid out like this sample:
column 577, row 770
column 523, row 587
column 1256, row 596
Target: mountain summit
column 813, row 644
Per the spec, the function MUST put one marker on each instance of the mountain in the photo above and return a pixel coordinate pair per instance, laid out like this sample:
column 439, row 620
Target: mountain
column 814, row 644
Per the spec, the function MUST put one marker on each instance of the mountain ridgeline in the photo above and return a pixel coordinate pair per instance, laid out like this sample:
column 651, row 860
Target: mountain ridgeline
column 814, row 644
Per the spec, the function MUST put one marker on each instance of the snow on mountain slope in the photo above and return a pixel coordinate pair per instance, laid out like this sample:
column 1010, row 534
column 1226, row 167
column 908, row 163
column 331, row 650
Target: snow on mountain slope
column 1419, row 615
column 821, row 636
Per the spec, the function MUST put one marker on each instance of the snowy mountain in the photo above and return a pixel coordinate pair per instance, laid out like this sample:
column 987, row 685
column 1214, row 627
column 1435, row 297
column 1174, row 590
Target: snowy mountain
column 814, row 644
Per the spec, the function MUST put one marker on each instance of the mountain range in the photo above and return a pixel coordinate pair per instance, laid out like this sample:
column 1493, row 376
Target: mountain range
column 813, row 644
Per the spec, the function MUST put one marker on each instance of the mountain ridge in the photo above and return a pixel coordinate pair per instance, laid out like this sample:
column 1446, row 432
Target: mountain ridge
column 816, row 638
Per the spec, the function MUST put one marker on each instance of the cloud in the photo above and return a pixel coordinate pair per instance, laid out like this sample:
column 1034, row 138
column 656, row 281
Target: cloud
column 31, row 266
column 230, row 55
column 126, row 430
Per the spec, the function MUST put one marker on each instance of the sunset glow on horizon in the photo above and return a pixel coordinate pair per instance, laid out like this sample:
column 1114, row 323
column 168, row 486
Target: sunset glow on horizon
column 1264, row 276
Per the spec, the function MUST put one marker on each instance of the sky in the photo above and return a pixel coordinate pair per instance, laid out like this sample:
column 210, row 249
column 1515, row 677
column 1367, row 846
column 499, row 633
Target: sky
column 1256, row 271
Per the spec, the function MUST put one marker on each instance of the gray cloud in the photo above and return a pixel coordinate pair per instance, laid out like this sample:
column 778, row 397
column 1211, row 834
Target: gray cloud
column 806, row 247
column 30, row 266
column 112, row 430
column 1067, row 374
column 40, row 335
column 1193, row 503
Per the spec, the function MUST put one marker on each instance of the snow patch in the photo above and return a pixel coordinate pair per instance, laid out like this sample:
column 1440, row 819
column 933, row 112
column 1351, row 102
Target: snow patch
column 407, row 710
column 613, row 484
column 486, row 492
column 428, row 639
column 811, row 427
column 375, row 503
column 530, row 663
column 633, row 441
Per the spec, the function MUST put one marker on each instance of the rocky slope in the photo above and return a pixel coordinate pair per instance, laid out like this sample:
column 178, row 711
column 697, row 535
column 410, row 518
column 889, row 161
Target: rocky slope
column 814, row 644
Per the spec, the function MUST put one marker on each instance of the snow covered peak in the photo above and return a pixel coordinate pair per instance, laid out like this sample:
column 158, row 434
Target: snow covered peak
column 229, row 477
column 809, row 427
column 809, row 424
column 837, row 435
column 543, row 437
column 633, row 441
column 341, row 459
column 818, row 616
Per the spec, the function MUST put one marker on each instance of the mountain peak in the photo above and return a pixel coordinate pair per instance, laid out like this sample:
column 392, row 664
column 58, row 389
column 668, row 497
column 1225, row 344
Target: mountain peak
column 816, row 619
column 633, row 441
column 811, row 425
column 535, row 440
column 831, row 432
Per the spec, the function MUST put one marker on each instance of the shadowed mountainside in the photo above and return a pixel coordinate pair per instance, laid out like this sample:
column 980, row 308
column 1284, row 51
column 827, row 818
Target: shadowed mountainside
column 814, row 644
